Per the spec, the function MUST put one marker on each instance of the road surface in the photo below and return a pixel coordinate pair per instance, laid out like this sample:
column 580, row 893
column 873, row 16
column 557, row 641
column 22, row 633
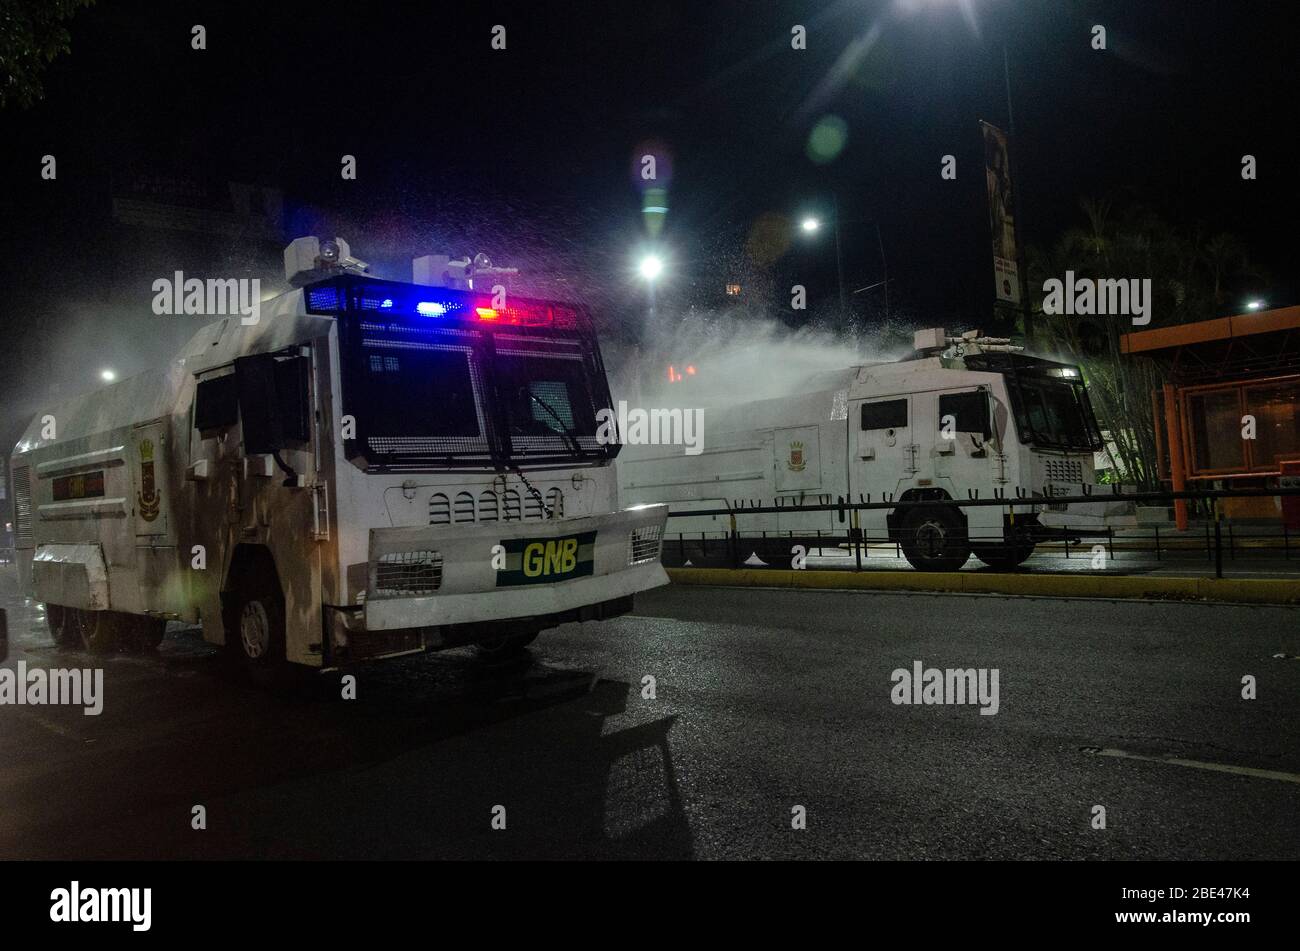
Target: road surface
column 763, row 701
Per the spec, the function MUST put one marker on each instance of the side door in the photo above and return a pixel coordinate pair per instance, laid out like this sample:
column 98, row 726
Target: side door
column 149, row 460
column 151, row 488
column 797, row 466
column 962, row 451
column 884, row 452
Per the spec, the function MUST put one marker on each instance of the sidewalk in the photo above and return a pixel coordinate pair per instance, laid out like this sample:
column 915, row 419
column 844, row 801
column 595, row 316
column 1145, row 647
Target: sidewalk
column 1026, row 583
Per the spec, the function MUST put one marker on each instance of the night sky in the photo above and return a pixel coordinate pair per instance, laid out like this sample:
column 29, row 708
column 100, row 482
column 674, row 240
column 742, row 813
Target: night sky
column 528, row 153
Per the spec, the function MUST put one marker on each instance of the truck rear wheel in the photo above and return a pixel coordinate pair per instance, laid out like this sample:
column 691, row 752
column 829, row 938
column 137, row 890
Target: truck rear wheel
column 142, row 634
column 505, row 646
column 56, row 619
column 1005, row 556
column 934, row 539
column 98, row 632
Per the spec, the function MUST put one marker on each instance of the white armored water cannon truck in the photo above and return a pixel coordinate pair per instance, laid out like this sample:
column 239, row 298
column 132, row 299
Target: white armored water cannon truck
column 963, row 417
column 371, row 468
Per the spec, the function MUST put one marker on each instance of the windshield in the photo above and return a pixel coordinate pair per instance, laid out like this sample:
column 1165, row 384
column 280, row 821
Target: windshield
column 547, row 403
column 421, row 393
column 429, row 395
column 1054, row 413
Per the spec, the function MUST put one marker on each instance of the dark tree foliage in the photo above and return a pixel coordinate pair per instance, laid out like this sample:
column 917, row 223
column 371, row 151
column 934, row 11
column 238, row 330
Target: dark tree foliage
column 1190, row 275
column 32, row 35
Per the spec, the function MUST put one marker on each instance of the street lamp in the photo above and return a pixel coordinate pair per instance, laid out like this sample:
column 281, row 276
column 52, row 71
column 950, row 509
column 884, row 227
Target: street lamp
column 1255, row 305
column 108, row 376
column 810, row 224
column 651, row 267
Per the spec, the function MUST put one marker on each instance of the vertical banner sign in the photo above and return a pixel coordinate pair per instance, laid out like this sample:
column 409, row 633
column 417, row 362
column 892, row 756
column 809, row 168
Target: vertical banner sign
column 1002, row 219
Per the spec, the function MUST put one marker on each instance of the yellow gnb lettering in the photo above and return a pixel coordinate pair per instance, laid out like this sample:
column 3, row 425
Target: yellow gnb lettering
column 555, row 557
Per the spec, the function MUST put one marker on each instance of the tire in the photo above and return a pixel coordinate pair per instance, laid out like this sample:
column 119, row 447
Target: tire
column 505, row 647
column 254, row 628
column 99, row 632
column 1005, row 557
column 56, row 619
column 142, row 634
column 934, row 539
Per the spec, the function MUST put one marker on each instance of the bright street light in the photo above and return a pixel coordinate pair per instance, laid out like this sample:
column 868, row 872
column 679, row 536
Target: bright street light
column 108, row 376
column 1255, row 305
column 651, row 267
column 809, row 225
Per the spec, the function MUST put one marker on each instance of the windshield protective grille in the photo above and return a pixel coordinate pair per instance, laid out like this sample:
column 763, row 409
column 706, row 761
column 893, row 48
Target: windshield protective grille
column 438, row 389
column 1049, row 399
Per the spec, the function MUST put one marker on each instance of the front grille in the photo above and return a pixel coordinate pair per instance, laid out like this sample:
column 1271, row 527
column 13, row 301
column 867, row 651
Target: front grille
column 1064, row 470
column 408, row 572
column 439, row 509
column 489, row 507
column 464, row 507
column 643, row 545
column 22, row 507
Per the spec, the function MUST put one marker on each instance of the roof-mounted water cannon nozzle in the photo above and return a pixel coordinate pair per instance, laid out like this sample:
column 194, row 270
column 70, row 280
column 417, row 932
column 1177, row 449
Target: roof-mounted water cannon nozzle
column 971, row 343
column 441, row 270
column 930, row 341
column 307, row 260
column 935, row 341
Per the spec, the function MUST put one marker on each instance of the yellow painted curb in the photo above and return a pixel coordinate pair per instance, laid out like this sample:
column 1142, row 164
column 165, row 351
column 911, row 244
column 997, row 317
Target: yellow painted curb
column 1239, row 590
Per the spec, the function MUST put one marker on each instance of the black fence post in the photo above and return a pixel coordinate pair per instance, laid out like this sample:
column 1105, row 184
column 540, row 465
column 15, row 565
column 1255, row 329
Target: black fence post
column 1218, row 540
column 856, row 531
column 1157, row 543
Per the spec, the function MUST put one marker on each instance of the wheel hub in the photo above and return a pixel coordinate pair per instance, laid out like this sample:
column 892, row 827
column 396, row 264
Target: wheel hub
column 255, row 630
column 931, row 538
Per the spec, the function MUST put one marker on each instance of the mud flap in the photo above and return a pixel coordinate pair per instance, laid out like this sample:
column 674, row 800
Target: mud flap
column 73, row 576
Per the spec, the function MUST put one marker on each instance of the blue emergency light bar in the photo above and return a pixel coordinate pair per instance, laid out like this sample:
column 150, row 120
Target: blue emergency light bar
column 437, row 303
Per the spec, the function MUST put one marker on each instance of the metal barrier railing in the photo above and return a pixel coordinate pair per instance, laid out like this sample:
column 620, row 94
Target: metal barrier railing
column 724, row 548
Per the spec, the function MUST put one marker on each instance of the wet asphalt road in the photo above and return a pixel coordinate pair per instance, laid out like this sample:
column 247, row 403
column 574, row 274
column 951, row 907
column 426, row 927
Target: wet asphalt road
column 763, row 700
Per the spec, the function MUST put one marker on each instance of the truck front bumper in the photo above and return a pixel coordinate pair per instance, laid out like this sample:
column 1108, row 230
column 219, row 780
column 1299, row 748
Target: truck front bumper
column 476, row 573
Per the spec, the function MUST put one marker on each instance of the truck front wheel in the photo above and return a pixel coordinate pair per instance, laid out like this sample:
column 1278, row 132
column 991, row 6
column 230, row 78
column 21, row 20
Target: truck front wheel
column 505, row 646
column 934, row 539
column 254, row 624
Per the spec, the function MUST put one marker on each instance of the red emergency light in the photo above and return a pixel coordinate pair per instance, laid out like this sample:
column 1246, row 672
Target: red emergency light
column 520, row 315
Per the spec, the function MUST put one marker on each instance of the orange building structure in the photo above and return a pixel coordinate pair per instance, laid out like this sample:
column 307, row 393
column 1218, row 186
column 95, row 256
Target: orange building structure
column 1227, row 380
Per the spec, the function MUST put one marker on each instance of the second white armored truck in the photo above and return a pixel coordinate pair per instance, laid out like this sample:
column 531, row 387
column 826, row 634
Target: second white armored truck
column 963, row 416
